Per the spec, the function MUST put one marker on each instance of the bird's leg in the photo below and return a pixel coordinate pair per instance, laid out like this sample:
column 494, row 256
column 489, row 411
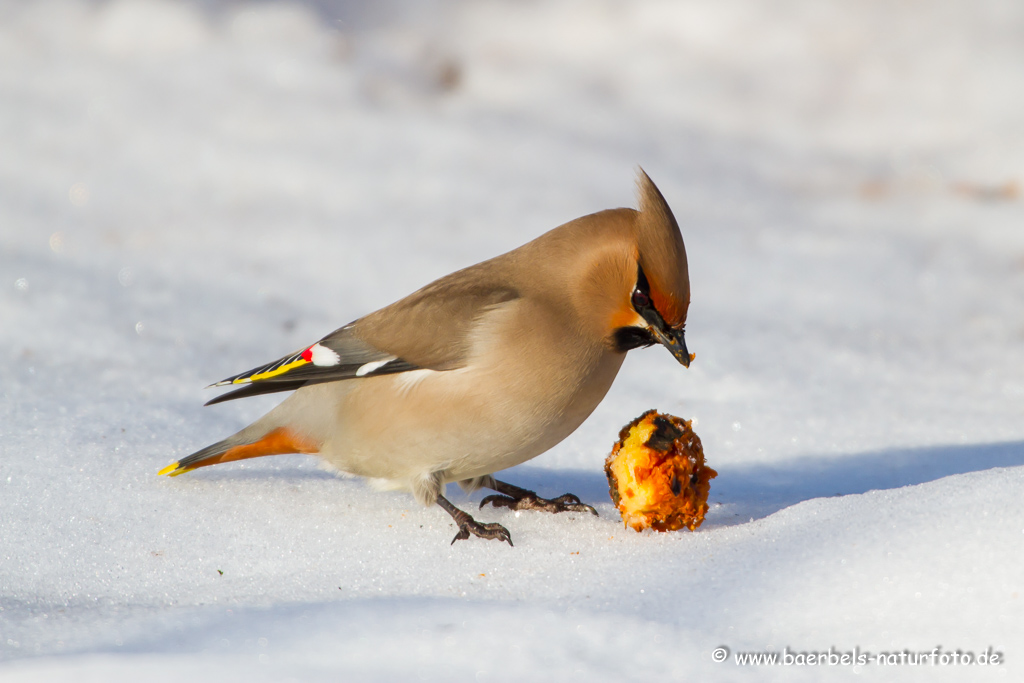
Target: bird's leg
column 468, row 525
column 516, row 498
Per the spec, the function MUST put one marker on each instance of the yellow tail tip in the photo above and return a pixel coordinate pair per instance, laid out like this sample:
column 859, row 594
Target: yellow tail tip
column 174, row 469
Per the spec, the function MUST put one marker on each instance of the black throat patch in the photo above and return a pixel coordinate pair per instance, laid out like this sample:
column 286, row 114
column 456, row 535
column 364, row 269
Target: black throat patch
column 629, row 338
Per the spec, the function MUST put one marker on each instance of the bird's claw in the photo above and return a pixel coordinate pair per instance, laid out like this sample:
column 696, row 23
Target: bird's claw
column 531, row 501
column 490, row 531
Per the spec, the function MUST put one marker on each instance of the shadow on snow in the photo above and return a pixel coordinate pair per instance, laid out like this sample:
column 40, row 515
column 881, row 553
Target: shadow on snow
column 756, row 491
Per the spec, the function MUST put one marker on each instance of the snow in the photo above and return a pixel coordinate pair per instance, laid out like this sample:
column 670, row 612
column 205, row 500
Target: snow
column 188, row 190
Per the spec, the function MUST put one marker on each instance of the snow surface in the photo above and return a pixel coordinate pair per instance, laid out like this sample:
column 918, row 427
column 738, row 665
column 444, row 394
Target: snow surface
column 187, row 190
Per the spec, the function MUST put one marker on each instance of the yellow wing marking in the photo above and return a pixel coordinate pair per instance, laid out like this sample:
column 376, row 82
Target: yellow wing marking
column 271, row 373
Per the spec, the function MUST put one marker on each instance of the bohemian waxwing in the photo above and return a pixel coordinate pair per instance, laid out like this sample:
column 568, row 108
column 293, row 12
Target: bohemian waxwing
column 481, row 370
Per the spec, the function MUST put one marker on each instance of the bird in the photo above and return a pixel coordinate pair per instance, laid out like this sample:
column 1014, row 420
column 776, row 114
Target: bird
column 480, row 370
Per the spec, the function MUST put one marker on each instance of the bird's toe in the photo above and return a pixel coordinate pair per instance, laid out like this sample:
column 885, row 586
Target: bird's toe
column 497, row 501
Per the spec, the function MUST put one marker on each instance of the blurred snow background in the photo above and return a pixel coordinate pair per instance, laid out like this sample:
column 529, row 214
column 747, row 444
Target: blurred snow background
column 189, row 189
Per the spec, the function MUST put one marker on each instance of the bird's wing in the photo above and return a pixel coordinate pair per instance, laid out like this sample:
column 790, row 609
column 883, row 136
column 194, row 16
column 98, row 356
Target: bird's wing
column 340, row 355
column 433, row 327
column 428, row 329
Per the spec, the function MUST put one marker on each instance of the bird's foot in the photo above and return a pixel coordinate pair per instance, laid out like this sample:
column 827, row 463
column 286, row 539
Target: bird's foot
column 515, row 498
column 491, row 530
column 468, row 525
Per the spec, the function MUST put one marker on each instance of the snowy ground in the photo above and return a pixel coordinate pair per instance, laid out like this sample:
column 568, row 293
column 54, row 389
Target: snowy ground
column 187, row 190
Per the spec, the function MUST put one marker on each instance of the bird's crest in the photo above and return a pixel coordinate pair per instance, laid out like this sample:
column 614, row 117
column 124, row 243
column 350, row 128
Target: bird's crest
column 662, row 254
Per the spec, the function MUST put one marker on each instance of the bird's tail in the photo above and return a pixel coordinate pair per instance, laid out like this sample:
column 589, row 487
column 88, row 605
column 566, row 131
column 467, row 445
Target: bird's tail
column 275, row 442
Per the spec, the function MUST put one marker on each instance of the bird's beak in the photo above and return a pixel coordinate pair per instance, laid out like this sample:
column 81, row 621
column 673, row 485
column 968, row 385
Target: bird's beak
column 672, row 339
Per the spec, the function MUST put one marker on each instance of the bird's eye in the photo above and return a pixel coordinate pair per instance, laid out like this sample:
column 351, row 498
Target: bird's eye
column 640, row 300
